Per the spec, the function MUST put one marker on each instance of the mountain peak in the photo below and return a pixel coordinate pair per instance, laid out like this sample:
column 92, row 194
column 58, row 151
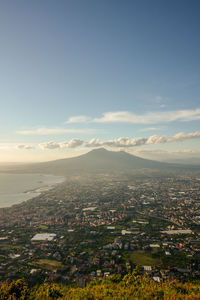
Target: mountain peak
column 99, row 150
column 104, row 153
column 104, row 150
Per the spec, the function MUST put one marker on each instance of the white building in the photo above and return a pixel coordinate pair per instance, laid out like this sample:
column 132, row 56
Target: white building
column 43, row 237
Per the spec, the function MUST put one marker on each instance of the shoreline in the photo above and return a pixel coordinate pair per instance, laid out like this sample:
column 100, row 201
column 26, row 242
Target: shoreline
column 9, row 199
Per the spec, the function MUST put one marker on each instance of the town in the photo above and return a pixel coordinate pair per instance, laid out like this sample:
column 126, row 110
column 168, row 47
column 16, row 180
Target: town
column 92, row 227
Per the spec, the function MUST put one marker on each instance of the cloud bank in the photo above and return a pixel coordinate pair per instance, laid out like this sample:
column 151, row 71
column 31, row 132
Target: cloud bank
column 133, row 142
column 147, row 118
column 122, row 142
column 74, row 143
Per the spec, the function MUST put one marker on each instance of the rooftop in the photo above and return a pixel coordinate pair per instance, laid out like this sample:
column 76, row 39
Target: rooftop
column 44, row 237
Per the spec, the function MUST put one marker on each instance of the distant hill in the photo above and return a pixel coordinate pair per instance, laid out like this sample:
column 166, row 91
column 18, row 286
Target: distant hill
column 96, row 161
column 192, row 161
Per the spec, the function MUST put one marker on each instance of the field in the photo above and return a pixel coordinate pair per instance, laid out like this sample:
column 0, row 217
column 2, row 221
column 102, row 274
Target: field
column 47, row 264
column 142, row 258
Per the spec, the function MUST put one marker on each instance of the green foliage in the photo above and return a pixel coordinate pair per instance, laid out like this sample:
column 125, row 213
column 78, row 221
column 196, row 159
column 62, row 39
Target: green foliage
column 48, row 291
column 131, row 286
column 114, row 278
column 15, row 290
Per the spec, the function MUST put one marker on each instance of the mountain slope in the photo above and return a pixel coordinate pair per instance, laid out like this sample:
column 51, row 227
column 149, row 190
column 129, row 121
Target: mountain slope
column 96, row 161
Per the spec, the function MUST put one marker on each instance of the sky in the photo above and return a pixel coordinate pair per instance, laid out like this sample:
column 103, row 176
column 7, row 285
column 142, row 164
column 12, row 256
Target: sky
column 80, row 74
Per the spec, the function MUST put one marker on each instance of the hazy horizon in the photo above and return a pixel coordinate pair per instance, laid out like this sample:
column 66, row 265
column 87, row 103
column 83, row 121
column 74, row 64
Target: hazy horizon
column 163, row 157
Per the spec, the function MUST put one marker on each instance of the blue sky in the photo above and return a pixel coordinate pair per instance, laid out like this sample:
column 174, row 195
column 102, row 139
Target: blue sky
column 130, row 69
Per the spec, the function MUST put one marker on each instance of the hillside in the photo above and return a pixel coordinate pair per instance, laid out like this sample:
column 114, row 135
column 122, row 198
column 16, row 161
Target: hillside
column 96, row 161
column 132, row 286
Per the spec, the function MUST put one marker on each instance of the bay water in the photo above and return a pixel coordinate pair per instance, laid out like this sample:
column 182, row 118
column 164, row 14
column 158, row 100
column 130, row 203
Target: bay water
column 16, row 188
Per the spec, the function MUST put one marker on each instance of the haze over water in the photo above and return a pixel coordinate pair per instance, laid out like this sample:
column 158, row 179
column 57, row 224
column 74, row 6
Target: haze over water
column 16, row 188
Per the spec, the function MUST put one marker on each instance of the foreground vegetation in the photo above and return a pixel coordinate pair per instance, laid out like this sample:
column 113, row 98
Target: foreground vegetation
column 131, row 286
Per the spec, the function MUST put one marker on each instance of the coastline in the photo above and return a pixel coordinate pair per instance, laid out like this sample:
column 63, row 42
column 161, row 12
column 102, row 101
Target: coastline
column 28, row 190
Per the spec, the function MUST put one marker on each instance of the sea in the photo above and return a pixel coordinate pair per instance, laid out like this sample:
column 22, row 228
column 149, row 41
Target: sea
column 16, row 188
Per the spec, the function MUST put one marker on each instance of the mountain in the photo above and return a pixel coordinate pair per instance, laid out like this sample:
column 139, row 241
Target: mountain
column 195, row 161
column 96, row 161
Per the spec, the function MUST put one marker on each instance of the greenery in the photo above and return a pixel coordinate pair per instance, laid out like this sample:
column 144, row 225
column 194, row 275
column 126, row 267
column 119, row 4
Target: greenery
column 47, row 263
column 142, row 258
column 131, row 286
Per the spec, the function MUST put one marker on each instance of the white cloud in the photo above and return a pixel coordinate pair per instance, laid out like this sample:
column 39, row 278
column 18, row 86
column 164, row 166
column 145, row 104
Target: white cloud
column 49, row 145
column 149, row 118
column 49, row 131
column 120, row 117
column 25, row 147
column 122, row 142
column 156, row 139
column 133, row 142
column 72, row 144
column 184, row 136
column 78, row 119
column 125, row 142
column 94, row 143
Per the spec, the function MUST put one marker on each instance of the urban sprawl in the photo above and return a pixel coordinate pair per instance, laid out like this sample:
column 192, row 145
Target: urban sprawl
column 93, row 227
